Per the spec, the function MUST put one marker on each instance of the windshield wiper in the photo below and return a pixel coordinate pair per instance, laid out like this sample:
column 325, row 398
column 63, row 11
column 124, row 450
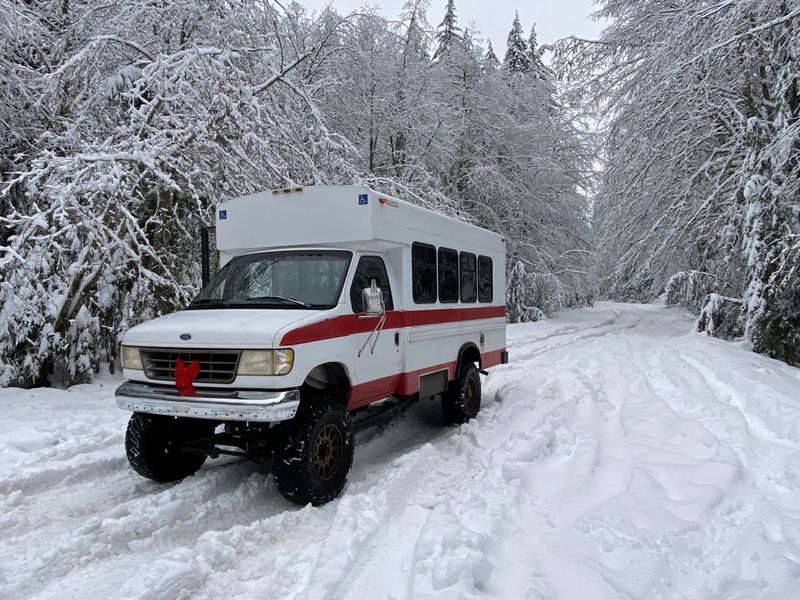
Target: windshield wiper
column 284, row 299
column 207, row 302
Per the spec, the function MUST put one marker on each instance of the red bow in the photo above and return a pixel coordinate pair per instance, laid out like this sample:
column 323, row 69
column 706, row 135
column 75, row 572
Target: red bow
column 184, row 375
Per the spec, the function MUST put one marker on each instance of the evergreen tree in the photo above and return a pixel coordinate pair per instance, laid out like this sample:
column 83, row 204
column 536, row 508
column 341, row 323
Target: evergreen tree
column 448, row 31
column 490, row 59
column 517, row 59
column 516, row 291
column 537, row 68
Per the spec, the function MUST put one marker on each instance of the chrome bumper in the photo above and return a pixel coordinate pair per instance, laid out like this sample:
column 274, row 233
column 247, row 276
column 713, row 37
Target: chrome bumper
column 239, row 405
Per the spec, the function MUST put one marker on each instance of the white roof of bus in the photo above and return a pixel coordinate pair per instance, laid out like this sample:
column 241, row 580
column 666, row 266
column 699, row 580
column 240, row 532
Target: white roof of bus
column 338, row 216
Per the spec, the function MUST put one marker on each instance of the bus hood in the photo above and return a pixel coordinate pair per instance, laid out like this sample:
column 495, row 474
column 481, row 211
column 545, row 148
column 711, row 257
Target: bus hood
column 216, row 328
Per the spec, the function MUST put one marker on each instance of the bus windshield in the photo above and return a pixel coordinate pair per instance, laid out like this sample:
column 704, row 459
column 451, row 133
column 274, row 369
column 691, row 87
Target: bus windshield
column 294, row 279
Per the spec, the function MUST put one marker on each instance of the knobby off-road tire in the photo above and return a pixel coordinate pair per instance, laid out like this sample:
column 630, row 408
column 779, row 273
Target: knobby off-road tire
column 315, row 453
column 462, row 400
column 152, row 443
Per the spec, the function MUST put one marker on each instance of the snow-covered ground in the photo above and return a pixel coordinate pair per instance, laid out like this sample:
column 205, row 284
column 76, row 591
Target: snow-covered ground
column 617, row 456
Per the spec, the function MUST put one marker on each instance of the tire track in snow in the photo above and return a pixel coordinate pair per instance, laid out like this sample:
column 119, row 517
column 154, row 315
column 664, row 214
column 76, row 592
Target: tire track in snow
column 383, row 517
column 429, row 488
column 609, row 327
column 703, row 419
column 586, row 420
column 724, row 390
column 651, row 440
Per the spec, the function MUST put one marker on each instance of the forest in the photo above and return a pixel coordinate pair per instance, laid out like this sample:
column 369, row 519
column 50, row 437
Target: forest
column 660, row 162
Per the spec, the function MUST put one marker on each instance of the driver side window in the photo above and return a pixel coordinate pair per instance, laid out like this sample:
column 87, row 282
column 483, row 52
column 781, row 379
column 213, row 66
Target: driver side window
column 369, row 268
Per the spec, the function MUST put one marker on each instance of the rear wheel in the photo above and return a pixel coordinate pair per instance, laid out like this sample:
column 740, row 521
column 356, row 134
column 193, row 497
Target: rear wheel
column 313, row 460
column 153, row 445
column 462, row 400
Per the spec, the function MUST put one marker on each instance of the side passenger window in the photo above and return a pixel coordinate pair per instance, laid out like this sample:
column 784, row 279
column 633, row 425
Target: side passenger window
column 448, row 275
column 369, row 268
column 485, row 279
column 423, row 273
column 469, row 277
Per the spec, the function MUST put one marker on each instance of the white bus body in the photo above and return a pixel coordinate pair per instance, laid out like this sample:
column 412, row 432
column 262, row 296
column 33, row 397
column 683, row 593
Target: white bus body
column 443, row 284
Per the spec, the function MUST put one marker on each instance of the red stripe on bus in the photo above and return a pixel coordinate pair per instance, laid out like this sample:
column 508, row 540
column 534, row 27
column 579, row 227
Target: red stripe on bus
column 344, row 325
column 377, row 389
column 407, row 383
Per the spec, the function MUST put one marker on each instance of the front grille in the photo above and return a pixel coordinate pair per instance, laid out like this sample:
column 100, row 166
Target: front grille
column 216, row 366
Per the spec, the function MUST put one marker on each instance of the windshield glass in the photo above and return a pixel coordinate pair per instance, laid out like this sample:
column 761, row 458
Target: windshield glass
column 291, row 279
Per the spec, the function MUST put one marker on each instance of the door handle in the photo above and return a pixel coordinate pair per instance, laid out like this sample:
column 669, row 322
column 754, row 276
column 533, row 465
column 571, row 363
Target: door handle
column 396, row 338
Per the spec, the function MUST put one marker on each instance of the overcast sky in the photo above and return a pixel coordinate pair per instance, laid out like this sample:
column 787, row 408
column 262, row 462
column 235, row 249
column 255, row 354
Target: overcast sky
column 554, row 19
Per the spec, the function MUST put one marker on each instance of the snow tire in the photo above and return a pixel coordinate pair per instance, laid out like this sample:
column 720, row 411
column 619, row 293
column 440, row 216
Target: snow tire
column 462, row 401
column 314, row 456
column 152, row 443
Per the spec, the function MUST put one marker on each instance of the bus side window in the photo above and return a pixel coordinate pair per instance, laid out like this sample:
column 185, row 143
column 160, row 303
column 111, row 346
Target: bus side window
column 485, row 279
column 468, row 268
column 423, row 273
column 448, row 275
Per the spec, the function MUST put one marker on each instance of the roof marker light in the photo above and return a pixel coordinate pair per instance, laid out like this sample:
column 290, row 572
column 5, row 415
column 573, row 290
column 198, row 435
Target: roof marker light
column 288, row 190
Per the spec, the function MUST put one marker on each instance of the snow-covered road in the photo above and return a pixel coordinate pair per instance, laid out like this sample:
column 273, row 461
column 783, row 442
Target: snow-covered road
column 617, row 456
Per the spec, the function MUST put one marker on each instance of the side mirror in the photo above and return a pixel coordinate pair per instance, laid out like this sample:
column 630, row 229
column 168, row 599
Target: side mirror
column 372, row 300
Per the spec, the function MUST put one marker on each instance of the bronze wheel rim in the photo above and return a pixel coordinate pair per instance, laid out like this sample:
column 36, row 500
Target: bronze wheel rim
column 471, row 398
column 327, row 452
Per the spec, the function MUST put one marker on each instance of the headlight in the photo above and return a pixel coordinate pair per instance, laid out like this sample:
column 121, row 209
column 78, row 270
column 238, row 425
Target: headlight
column 131, row 358
column 266, row 362
column 255, row 362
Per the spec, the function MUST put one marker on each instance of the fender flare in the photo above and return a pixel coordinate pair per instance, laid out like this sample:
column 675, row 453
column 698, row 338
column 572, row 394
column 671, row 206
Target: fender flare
column 469, row 352
column 333, row 376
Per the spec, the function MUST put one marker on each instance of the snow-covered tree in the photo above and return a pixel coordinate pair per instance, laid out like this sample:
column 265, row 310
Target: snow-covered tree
column 490, row 59
column 700, row 111
column 537, row 68
column 517, row 58
column 448, row 32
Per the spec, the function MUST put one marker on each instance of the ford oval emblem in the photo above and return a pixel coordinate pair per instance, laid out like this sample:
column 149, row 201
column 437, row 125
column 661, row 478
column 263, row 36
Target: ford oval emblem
column 186, row 336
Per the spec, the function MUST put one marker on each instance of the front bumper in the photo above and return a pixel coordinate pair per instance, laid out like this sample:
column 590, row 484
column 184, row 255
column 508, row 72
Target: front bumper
column 238, row 405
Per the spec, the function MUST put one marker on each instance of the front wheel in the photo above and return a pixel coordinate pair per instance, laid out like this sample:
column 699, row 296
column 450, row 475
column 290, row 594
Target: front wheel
column 462, row 400
column 313, row 460
column 153, row 445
